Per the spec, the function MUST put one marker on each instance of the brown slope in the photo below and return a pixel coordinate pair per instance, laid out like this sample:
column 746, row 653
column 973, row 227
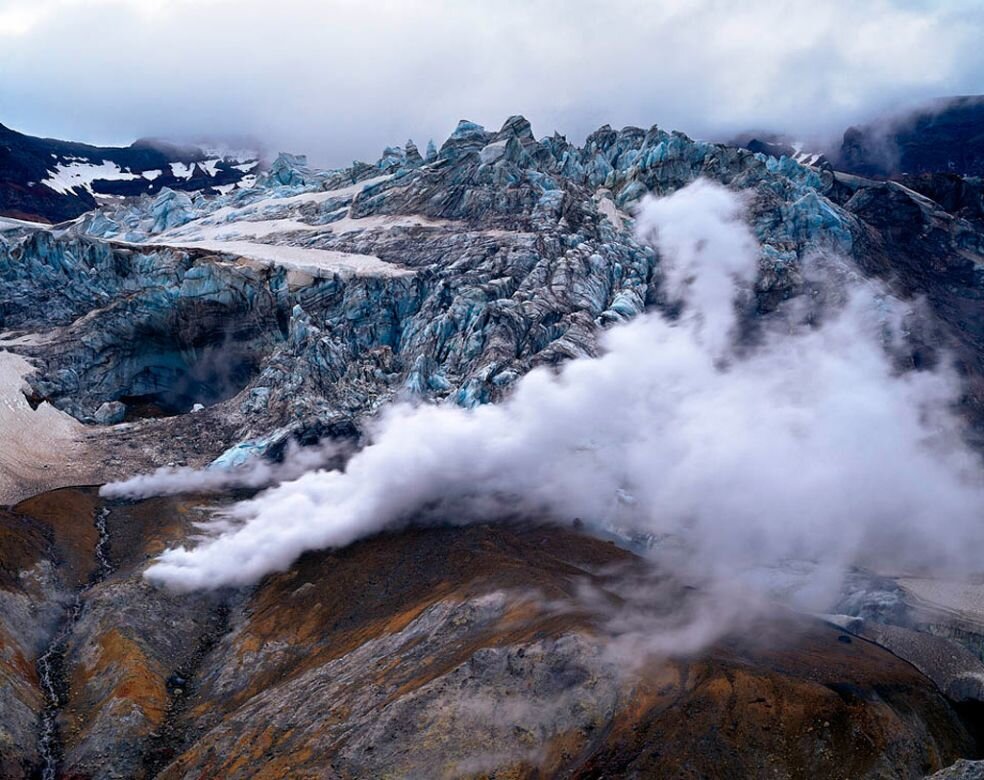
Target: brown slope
column 442, row 652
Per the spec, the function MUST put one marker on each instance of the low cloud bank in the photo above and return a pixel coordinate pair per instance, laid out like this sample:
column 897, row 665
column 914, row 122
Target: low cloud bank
column 807, row 446
column 806, row 68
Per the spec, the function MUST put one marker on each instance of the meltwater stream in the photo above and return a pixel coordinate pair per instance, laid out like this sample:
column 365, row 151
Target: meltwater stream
column 51, row 663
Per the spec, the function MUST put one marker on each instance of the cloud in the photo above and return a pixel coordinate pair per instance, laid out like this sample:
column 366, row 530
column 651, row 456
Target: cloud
column 18, row 20
column 809, row 446
column 21, row 17
column 340, row 79
column 712, row 250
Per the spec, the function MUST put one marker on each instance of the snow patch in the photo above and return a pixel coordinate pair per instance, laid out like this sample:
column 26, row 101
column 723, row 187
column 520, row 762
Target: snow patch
column 312, row 261
column 385, row 222
column 201, row 231
column 182, row 171
column 807, row 158
column 80, row 175
column 9, row 223
column 211, row 167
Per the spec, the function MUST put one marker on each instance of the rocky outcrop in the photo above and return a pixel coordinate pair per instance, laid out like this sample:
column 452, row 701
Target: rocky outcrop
column 961, row 770
column 961, row 196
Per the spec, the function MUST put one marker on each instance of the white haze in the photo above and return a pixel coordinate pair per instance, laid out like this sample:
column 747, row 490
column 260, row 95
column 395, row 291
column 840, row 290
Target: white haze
column 808, row 447
column 256, row 472
column 339, row 79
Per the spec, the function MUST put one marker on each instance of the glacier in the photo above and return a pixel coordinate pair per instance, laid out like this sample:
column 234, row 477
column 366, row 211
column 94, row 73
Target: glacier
column 298, row 305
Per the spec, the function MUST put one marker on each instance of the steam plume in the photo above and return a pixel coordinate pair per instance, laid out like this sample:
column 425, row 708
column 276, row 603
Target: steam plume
column 808, row 446
column 254, row 473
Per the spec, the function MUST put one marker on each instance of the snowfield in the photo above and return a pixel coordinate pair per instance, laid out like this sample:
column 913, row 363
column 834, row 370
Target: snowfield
column 316, row 262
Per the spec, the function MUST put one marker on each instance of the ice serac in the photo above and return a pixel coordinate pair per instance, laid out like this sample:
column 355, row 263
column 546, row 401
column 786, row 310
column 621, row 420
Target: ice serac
column 445, row 276
column 170, row 210
column 289, row 170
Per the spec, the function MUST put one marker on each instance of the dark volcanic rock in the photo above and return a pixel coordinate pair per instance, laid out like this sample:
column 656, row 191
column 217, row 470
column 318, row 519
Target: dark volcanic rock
column 961, row 196
column 922, row 250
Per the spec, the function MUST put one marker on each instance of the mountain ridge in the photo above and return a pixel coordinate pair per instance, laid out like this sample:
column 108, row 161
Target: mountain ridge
column 49, row 180
column 949, row 129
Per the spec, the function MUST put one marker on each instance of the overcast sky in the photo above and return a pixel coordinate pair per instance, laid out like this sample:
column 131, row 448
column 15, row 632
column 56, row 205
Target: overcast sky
column 340, row 79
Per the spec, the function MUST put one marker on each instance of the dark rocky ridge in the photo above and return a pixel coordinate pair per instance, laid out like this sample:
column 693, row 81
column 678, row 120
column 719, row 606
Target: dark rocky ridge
column 936, row 150
column 944, row 137
column 26, row 162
